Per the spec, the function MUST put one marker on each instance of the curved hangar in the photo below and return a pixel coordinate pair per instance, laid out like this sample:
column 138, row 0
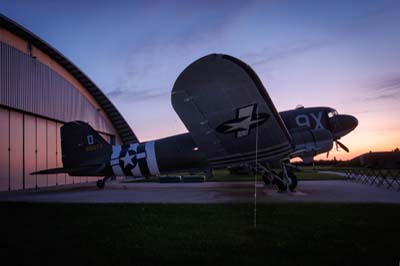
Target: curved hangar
column 40, row 90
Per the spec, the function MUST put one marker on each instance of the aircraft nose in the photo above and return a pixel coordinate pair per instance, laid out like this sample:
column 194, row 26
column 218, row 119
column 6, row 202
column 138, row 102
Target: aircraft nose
column 342, row 125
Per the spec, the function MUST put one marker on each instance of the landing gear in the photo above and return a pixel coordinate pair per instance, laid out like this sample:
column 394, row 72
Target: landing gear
column 285, row 180
column 266, row 179
column 291, row 182
column 102, row 182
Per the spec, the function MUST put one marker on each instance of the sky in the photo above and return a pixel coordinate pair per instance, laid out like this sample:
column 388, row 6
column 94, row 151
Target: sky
column 342, row 54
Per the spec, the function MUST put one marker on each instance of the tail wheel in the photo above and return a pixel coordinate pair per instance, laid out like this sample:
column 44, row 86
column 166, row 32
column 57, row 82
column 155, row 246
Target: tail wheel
column 292, row 182
column 100, row 183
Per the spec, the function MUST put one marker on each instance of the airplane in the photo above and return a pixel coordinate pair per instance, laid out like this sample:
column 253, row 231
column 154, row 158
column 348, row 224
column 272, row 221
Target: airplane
column 231, row 121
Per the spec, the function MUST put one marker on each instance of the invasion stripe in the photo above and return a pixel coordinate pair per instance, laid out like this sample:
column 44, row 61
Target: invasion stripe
column 144, row 169
column 136, row 170
column 114, row 162
column 116, row 150
column 151, row 158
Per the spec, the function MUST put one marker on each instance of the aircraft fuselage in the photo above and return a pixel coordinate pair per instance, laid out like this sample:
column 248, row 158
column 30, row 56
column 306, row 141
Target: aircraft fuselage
column 313, row 131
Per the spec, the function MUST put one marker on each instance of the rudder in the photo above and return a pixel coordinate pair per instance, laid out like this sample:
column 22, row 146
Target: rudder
column 82, row 145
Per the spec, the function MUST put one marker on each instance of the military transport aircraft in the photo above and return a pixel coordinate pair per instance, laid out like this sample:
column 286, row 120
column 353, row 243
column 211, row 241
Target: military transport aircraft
column 231, row 121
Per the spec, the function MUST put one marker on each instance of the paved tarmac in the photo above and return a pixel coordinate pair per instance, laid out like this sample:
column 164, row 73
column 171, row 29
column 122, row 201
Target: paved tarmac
column 208, row 192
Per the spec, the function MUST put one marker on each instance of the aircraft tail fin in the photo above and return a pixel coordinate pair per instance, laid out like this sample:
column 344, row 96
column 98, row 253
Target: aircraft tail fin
column 82, row 146
column 84, row 151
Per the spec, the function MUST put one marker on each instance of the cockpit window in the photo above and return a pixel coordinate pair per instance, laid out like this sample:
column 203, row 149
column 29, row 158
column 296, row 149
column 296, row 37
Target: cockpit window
column 332, row 113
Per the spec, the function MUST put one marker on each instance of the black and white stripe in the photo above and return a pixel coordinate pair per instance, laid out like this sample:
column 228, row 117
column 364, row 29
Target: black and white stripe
column 143, row 162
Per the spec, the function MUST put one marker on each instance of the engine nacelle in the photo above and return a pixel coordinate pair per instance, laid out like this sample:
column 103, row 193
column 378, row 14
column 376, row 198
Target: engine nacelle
column 309, row 143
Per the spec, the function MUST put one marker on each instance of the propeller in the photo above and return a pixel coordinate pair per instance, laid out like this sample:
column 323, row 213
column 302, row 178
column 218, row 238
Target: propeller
column 341, row 145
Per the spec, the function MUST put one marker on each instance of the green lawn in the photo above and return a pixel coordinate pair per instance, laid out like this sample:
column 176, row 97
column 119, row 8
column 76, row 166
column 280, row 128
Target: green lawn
column 315, row 175
column 187, row 234
column 308, row 174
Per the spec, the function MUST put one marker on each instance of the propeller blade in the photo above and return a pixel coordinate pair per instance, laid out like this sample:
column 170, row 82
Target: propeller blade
column 327, row 154
column 342, row 146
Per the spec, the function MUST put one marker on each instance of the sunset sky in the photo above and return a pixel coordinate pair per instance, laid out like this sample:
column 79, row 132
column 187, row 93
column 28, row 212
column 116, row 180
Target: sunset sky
column 342, row 54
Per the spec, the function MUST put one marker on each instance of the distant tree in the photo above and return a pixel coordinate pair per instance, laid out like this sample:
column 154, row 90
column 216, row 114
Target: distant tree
column 396, row 150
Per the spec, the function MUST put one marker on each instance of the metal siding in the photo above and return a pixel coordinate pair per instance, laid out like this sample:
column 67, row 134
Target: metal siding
column 41, row 131
column 94, row 178
column 84, row 179
column 77, row 179
column 4, row 153
column 29, row 85
column 60, row 177
column 69, row 179
column 29, row 150
column 16, row 151
column 2, row 79
column 51, row 151
column 106, row 105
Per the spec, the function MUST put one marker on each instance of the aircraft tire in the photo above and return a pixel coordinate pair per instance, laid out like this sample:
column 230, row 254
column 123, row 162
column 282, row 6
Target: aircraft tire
column 282, row 187
column 100, row 183
column 293, row 182
column 266, row 179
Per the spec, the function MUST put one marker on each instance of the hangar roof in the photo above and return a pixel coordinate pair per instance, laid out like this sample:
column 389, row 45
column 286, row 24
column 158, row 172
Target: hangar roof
column 124, row 131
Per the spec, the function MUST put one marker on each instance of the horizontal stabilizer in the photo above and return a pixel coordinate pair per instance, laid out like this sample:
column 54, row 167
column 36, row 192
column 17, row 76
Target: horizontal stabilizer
column 81, row 170
column 50, row 171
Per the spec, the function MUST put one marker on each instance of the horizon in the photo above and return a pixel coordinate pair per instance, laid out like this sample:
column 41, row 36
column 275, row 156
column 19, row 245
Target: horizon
column 342, row 55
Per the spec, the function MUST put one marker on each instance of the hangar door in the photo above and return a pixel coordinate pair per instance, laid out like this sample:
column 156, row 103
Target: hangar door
column 16, row 151
column 4, row 146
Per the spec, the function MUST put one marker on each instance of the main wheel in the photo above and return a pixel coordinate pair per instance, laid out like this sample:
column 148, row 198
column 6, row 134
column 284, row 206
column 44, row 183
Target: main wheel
column 292, row 182
column 100, row 183
column 266, row 180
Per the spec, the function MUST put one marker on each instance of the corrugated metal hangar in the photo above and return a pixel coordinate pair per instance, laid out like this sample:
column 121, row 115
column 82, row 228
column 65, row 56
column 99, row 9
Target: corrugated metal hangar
column 40, row 90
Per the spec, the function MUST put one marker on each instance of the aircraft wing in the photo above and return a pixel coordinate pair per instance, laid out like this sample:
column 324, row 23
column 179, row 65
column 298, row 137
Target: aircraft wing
column 225, row 107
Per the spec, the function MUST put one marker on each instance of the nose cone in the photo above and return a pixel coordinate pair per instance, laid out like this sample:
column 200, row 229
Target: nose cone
column 342, row 125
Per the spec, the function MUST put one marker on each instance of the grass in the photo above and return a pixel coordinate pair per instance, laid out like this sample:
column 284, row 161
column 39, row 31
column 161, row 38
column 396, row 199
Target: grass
column 366, row 171
column 308, row 174
column 187, row 234
column 330, row 168
column 315, row 175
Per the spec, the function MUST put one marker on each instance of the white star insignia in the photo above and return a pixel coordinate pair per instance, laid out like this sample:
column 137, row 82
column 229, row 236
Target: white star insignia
column 127, row 159
column 242, row 125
